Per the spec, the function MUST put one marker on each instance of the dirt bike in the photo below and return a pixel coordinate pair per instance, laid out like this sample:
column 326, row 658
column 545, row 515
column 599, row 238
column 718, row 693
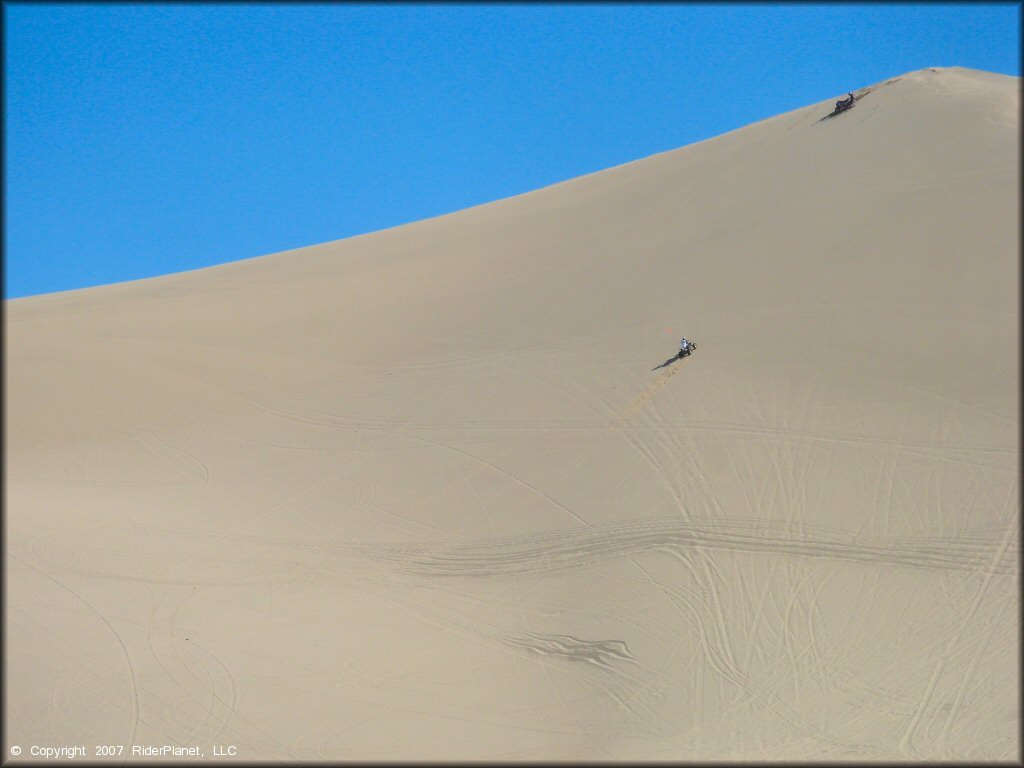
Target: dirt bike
column 843, row 104
column 688, row 351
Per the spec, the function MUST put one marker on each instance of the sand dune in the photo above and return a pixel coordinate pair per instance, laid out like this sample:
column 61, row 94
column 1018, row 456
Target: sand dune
column 420, row 495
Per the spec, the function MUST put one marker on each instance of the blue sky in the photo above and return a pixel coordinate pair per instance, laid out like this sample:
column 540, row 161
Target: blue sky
column 147, row 139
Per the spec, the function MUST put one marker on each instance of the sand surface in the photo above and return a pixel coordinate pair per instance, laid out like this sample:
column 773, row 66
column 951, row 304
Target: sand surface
column 420, row 495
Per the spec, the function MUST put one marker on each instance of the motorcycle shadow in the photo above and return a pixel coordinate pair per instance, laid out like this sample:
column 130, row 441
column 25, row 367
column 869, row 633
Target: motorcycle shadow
column 835, row 112
column 671, row 360
column 667, row 362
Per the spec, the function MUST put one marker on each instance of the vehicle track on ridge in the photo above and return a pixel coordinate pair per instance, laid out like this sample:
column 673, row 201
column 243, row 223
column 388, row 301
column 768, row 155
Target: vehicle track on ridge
column 570, row 548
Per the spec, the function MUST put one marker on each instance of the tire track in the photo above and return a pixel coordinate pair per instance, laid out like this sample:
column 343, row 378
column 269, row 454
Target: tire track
column 174, row 457
column 324, row 420
column 218, row 685
column 646, row 396
column 580, row 546
column 94, row 676
column 614, row 420
column 223, row 691
column 135, row 717
column 906, row 744
column 719, row 658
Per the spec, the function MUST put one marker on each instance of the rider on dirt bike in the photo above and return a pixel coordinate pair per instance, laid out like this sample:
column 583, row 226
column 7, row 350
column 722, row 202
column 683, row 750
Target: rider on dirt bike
column 847, row 102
